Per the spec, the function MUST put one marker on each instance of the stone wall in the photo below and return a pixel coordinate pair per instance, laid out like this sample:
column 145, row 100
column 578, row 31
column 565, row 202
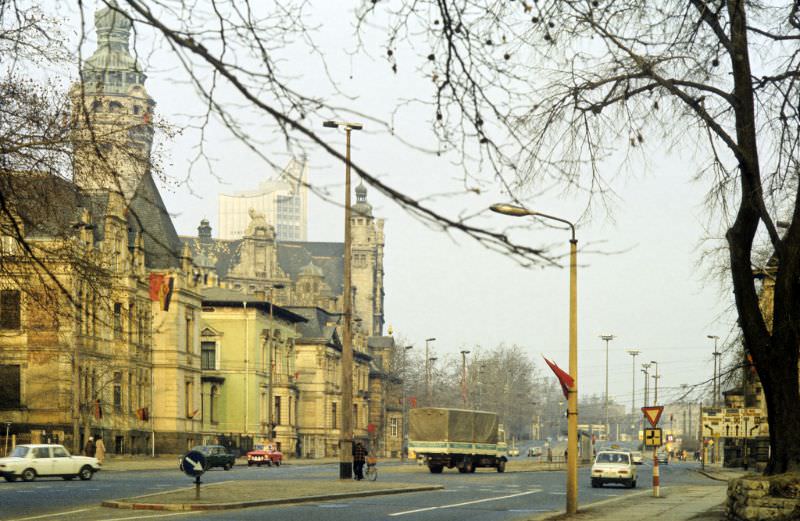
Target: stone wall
column 756, row 498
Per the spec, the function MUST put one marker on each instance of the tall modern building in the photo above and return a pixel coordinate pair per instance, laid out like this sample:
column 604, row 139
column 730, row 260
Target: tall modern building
column 283, row 201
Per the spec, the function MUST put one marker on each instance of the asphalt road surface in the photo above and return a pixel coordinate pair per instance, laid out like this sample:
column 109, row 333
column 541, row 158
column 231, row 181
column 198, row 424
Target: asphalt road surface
column 485, row 495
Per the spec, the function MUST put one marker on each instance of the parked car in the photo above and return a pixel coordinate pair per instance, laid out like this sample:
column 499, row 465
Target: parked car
column 534, row 452
column 216, row 456
column 637, row 457
column 513, row 451
column 264, row 455
column 27, row 462
column 613, row 467
column 663, row 457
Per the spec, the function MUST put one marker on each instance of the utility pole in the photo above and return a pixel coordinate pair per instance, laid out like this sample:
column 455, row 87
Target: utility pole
column 607, row 339
column 404, row 430
column 717, row 354
column 645, row 368
column 655, row 383
column 464, row 354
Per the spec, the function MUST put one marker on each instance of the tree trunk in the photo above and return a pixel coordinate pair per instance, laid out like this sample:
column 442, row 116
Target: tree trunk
column 780, row 382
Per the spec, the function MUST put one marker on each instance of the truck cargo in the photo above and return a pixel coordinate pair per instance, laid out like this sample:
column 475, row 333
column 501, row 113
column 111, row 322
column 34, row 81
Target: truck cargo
column 457, row 438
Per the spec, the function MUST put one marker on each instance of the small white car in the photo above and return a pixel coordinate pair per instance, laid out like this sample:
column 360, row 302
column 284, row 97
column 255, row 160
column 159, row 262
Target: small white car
column 637, row 457
column 27, row 462
column 613, row 467
column 513, row 451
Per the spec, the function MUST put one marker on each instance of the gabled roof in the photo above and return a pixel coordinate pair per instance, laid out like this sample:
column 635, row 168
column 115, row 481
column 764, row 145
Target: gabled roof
column 317, row 327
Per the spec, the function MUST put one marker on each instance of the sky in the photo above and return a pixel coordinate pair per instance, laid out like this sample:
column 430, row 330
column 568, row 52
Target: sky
column 640, row 274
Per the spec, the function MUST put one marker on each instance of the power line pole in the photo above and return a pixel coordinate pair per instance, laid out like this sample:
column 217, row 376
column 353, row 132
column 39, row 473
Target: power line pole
column 607, row 339
column 428, row 371
column 634, row 353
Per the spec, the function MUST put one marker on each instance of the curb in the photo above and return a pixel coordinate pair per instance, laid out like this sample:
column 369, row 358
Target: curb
column 265, row 502
column 590, row 506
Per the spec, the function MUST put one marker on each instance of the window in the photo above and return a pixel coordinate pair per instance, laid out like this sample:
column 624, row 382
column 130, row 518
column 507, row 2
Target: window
column 8, row 245
column 130, row 392
column 9, row 309
column 355, row 416
column 189, row 330
column 60, row 452
column 118, row 392
column 10, row 395
column 277, row 416
column 393, row 427
column 333, row 416
column 41, row 452
column 117, row 320
column 208, row 355
column 188, row 399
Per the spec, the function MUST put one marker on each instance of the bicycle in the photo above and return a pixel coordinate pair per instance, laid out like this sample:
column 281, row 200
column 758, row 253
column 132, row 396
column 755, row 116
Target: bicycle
column 372, row 469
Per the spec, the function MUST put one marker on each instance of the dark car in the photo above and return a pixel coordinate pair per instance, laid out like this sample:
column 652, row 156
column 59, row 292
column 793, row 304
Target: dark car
column 216, row 456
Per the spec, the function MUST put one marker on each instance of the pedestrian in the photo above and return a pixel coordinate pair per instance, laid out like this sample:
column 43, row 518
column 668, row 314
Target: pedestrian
column 100, row 449
column 359, row 458
column 89, row 448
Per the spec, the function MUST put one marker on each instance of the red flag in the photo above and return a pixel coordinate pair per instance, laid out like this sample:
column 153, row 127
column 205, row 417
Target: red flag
column 161, row 289
column 566, row 381
column 156, row 280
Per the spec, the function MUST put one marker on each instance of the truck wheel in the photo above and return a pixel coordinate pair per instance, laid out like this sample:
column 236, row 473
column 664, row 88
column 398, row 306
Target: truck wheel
column 436, row 469
column 501, row 467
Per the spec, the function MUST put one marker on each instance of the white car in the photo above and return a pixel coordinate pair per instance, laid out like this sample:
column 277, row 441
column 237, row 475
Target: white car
column 613, row 467
column 513, row 451
column 27, row 462
column 637, row 457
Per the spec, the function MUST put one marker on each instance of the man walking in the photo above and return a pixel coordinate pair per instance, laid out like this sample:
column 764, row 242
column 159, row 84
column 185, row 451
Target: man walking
column 359, row 458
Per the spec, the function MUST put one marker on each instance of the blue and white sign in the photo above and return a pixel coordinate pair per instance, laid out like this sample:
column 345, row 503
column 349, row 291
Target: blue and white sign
column 193, row 463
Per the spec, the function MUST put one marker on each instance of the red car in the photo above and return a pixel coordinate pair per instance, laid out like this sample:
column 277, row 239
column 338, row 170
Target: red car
column 264, row 455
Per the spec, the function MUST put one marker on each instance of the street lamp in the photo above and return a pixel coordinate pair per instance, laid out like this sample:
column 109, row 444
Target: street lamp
column 427, row 371
column 645, row 370
column 404, row 448
column 716, row 354
column 346, row 432
column 271, row 359
column 5, row 447
column 607, row 338
column 464, row 354
column 634, row 353
column 431, row 360
column 656, row 376
column 572, row 401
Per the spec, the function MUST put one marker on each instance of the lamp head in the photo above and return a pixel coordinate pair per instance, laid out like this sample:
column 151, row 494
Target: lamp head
column 330, row 124
column 510, row 209
column 430, row 339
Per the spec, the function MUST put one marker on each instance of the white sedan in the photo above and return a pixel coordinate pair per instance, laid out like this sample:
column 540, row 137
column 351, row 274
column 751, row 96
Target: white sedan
column 27, row 462
column 613, row 467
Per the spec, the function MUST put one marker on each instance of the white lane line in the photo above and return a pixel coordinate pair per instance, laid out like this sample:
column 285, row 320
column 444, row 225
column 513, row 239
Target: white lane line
column 465, row 503
column 51, row 515
column 151, row 516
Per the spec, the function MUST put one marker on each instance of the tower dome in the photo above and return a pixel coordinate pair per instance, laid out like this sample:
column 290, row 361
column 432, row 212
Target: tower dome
column 362, row 208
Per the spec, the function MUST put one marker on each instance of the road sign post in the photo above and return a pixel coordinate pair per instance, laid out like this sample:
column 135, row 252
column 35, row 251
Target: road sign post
column 193, row 465
column 653, row 414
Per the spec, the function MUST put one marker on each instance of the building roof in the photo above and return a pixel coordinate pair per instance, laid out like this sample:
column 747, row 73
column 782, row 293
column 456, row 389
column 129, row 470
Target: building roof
column 380, row 342
column 148, row 215
column 318, row 325
column 222, row 297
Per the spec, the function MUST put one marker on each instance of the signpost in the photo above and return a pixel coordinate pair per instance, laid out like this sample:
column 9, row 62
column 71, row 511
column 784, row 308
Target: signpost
column 653, row 414
column 193, row 465
column 653, row 438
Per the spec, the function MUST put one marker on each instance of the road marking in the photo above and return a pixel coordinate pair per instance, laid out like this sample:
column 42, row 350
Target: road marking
column 465, row 503
column 51, row 515
column 151, row 517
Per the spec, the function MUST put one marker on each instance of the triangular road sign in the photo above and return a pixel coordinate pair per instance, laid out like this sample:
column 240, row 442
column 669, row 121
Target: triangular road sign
column 653, row 414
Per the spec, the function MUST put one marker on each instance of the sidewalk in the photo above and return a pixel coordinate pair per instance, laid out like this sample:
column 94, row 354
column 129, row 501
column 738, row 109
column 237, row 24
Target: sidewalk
column 677, row 503
column 170, row 461
column 720, row 473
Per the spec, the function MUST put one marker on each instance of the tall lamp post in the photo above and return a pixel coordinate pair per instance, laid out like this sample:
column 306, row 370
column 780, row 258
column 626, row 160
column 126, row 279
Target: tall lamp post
column 271, row 360
column 634, row 353
column 607, row 339
column 572, row 400
column 645, row 370
column 716, row 354
column 431, row 360
column 428, row 370
column 404, row 433
column 464, row 354
column 346, row 431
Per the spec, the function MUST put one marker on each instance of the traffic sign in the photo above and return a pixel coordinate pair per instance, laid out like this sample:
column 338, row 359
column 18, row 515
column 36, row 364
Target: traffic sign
column 653, row 413
column 652, row 438
column 193, row 463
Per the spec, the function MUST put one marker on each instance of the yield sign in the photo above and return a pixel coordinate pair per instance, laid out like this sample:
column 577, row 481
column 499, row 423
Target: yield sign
column 653, row 414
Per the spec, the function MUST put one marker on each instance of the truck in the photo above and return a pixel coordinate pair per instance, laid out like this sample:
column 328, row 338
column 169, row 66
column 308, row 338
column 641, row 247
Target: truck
column 457, row 438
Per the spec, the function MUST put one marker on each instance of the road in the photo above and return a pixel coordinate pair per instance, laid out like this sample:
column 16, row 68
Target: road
column 485, row 495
